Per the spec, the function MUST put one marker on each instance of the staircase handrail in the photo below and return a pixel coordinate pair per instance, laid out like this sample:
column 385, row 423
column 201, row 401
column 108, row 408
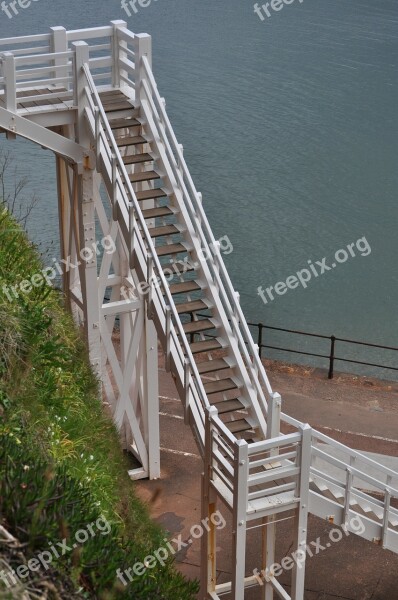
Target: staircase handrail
column 354, row 455
column 144, row 232
column 226, row 289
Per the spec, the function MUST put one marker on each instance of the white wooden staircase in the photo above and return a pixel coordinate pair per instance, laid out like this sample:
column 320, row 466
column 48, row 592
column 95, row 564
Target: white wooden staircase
column 91, row 97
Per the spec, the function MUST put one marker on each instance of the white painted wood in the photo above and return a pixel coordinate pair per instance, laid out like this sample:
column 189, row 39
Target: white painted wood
column 142, row 50
column 241, row 470
column 151, row 398
column 117, row 51
column 301, row 520
column 59, row 43
column 10, row 82
column 127, row 372
column 61, row 146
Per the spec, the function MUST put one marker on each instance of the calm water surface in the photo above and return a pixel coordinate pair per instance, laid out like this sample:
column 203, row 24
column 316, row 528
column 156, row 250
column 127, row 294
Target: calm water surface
column 290, row 130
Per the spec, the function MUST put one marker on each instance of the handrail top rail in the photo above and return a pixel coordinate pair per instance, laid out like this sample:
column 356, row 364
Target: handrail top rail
column 71, row 35
column 276, row 442
column 30, row 58
column 340, row 464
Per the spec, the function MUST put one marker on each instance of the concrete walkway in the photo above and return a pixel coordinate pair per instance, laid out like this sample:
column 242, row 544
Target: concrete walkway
column 360, row 412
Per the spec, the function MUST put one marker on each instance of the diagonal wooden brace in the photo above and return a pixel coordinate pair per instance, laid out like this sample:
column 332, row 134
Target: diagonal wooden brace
column 68, row 149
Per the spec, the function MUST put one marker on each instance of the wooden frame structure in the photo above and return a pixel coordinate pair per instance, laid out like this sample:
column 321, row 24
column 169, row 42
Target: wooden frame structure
column 90, row 96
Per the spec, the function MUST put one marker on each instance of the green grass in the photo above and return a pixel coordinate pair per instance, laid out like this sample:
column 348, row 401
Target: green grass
column 61, row 465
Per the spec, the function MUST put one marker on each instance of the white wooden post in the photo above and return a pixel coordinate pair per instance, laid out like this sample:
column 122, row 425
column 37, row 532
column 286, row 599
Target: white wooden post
column 86, row 207
column 152, row 399
column 10, row 81
column 82, row 55
column 143, row 47
column 116, row 51
column 59, row 43
column 274, row 417
column 269, row 525
column 66, row 232
column 208, row 505
column 301, row 520
column 241, row 472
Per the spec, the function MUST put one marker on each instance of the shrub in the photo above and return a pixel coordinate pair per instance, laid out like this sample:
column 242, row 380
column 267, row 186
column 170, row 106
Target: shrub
column 61, row 465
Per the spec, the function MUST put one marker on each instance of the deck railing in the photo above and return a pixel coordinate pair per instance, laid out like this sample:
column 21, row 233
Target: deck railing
column 47, row 60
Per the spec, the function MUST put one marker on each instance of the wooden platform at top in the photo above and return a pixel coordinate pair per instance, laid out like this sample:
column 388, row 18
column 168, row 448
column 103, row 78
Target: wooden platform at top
column 56, row 99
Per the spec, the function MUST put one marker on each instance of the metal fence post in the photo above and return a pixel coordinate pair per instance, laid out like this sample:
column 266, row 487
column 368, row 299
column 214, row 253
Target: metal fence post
column 260, row 338
column 331, row 358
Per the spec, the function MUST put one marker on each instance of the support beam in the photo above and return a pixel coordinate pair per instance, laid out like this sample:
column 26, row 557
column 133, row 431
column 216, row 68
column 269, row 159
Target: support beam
column 70, row 150
column 269, row 528
column 208, row 507
column 85, row 208
column 151, row 383
column 239, row 515
column 301, row 520
column 89, row 286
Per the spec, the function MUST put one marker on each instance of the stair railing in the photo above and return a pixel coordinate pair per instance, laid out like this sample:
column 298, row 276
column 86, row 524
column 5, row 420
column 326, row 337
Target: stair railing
column 30, row 71
column 356, row 478
column 127, row 211
column 46, row 59
column 208, row 242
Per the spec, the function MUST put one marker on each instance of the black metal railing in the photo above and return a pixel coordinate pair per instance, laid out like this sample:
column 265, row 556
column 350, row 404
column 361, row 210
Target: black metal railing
column 333, row 342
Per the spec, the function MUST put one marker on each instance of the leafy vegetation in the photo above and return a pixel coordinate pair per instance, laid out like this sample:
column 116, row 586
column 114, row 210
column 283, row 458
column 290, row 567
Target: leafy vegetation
column 61, row 467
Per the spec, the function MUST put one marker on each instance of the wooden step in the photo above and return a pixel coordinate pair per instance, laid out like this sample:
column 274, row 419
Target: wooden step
column 130, row 141
column 112, row 96
column 116, row 106
column 134, row 159
column 151, row 194
column 227, row 406
column 221, row 385
column 210, row 366
column 177, row 268
column 197, row 326
column 163, row 230
column 188, row 307
column 238, row 426
column 184, row 287
column 170, row 249
column 143, row 176
column 117, row 123
column 110, row 93
column 160, row 211
column 205, row 346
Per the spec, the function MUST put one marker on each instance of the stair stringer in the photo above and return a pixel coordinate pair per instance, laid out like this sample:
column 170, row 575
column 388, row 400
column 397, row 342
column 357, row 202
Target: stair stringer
column 348, row 487
column 335, row 513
